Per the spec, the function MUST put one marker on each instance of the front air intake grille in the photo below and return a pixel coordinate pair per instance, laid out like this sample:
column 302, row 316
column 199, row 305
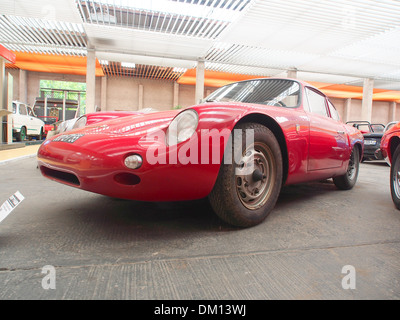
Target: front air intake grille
column 60, row 176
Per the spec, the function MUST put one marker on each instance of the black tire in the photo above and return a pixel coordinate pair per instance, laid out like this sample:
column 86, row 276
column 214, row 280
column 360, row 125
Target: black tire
column 395, row 178
column 21, row 136
column 245, row 199
column 349, row 179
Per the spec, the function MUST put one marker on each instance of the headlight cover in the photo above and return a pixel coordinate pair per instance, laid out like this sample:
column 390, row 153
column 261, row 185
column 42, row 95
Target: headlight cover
column 182, row 127
column 66, row 125
column 80, row 123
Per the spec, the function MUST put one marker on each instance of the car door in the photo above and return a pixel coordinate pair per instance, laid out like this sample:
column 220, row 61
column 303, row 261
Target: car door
column 35, row 124
column 328, row 141
column 22, row 116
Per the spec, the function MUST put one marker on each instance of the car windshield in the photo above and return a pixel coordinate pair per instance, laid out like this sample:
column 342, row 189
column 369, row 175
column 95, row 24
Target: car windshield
column 377, row 127
column 369, row 128
column 272, row 92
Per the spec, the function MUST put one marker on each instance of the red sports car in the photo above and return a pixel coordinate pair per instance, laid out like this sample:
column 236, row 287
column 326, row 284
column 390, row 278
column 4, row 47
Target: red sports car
column 96, row 117
column 391, row 152
column 239, row 147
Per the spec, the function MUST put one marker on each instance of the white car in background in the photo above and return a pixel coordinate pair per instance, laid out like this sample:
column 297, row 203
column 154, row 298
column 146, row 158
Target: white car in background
column 25, row 123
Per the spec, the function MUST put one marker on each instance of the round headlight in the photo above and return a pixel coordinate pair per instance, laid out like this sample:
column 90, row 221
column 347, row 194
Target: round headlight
column 182, row 127
column 80, row 123
column 133, row 162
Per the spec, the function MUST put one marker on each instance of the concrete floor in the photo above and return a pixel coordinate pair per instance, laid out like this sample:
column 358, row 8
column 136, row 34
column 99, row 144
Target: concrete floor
column 105, row 248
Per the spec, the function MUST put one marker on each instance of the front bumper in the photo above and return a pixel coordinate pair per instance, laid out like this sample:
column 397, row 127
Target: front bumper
column 372, row 152
column 97, row 165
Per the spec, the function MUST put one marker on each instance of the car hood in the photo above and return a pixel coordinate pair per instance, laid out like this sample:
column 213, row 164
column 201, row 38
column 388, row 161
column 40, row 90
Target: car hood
column 130, row 125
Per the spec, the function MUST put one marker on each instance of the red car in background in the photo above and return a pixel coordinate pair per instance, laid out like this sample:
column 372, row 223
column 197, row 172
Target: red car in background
column 49, row 123
column 239, row 148
column 391, row 152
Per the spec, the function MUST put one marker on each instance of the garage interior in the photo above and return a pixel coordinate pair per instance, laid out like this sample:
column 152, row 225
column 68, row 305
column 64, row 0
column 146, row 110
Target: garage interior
column 125, row 51
column 168, row 54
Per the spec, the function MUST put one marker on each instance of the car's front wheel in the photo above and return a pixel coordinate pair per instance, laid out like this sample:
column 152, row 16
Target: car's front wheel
column 246, row 190
column 395, row 178
column 349, row 179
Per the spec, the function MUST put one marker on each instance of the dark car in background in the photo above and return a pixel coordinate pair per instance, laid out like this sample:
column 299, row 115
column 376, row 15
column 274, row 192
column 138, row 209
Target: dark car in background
column 372, row 133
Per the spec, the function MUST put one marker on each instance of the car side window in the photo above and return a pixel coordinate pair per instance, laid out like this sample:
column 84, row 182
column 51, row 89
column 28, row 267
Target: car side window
column 333, row 111
column 316, row 102
column 22, row 110
column 306, row 107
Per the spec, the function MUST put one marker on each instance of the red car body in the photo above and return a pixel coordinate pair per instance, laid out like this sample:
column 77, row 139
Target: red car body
column 313, row 147
column 96, row 117
column 391, row 152
column 390, row 141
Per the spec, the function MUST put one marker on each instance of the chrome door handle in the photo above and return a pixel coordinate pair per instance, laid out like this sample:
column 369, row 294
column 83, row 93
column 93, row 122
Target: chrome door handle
column 340, row 132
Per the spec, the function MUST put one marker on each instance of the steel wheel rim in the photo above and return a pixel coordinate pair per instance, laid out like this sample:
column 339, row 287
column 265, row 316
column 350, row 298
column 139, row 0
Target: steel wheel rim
column 255, row 176
column 396, row 179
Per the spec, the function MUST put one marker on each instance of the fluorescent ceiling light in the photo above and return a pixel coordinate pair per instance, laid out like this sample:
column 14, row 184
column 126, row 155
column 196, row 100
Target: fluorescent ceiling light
column 128, row 65
column 182, row 70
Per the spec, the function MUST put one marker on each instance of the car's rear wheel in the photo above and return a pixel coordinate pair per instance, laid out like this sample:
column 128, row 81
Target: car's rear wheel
column 349, row 179
column 246, row 190
column 395, row 178
column 21, row 136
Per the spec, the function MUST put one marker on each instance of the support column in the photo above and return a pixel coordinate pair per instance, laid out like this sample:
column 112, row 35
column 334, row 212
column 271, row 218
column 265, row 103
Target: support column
column 292, row 73
column 64, row 108
column 23, row 86
column 366, row 109
column 45, row 106
column 2, row 91
column 393, row 107
column 9, row 98
column 175, row 102
column 2, row 81
column 199, row 81
column 104, row 93
column 141, row 96
column 90, row 81
column 347, row 110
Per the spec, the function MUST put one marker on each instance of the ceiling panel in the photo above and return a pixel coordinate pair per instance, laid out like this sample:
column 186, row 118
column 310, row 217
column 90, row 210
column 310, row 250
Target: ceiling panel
column 60, row 10
column 337, row 41
column 381, row 48
column 325, row 77
column 145, row 60
column 146, row 43
column 242, row 69
column 347, row 67
column 42, row 36
column 293, row 22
